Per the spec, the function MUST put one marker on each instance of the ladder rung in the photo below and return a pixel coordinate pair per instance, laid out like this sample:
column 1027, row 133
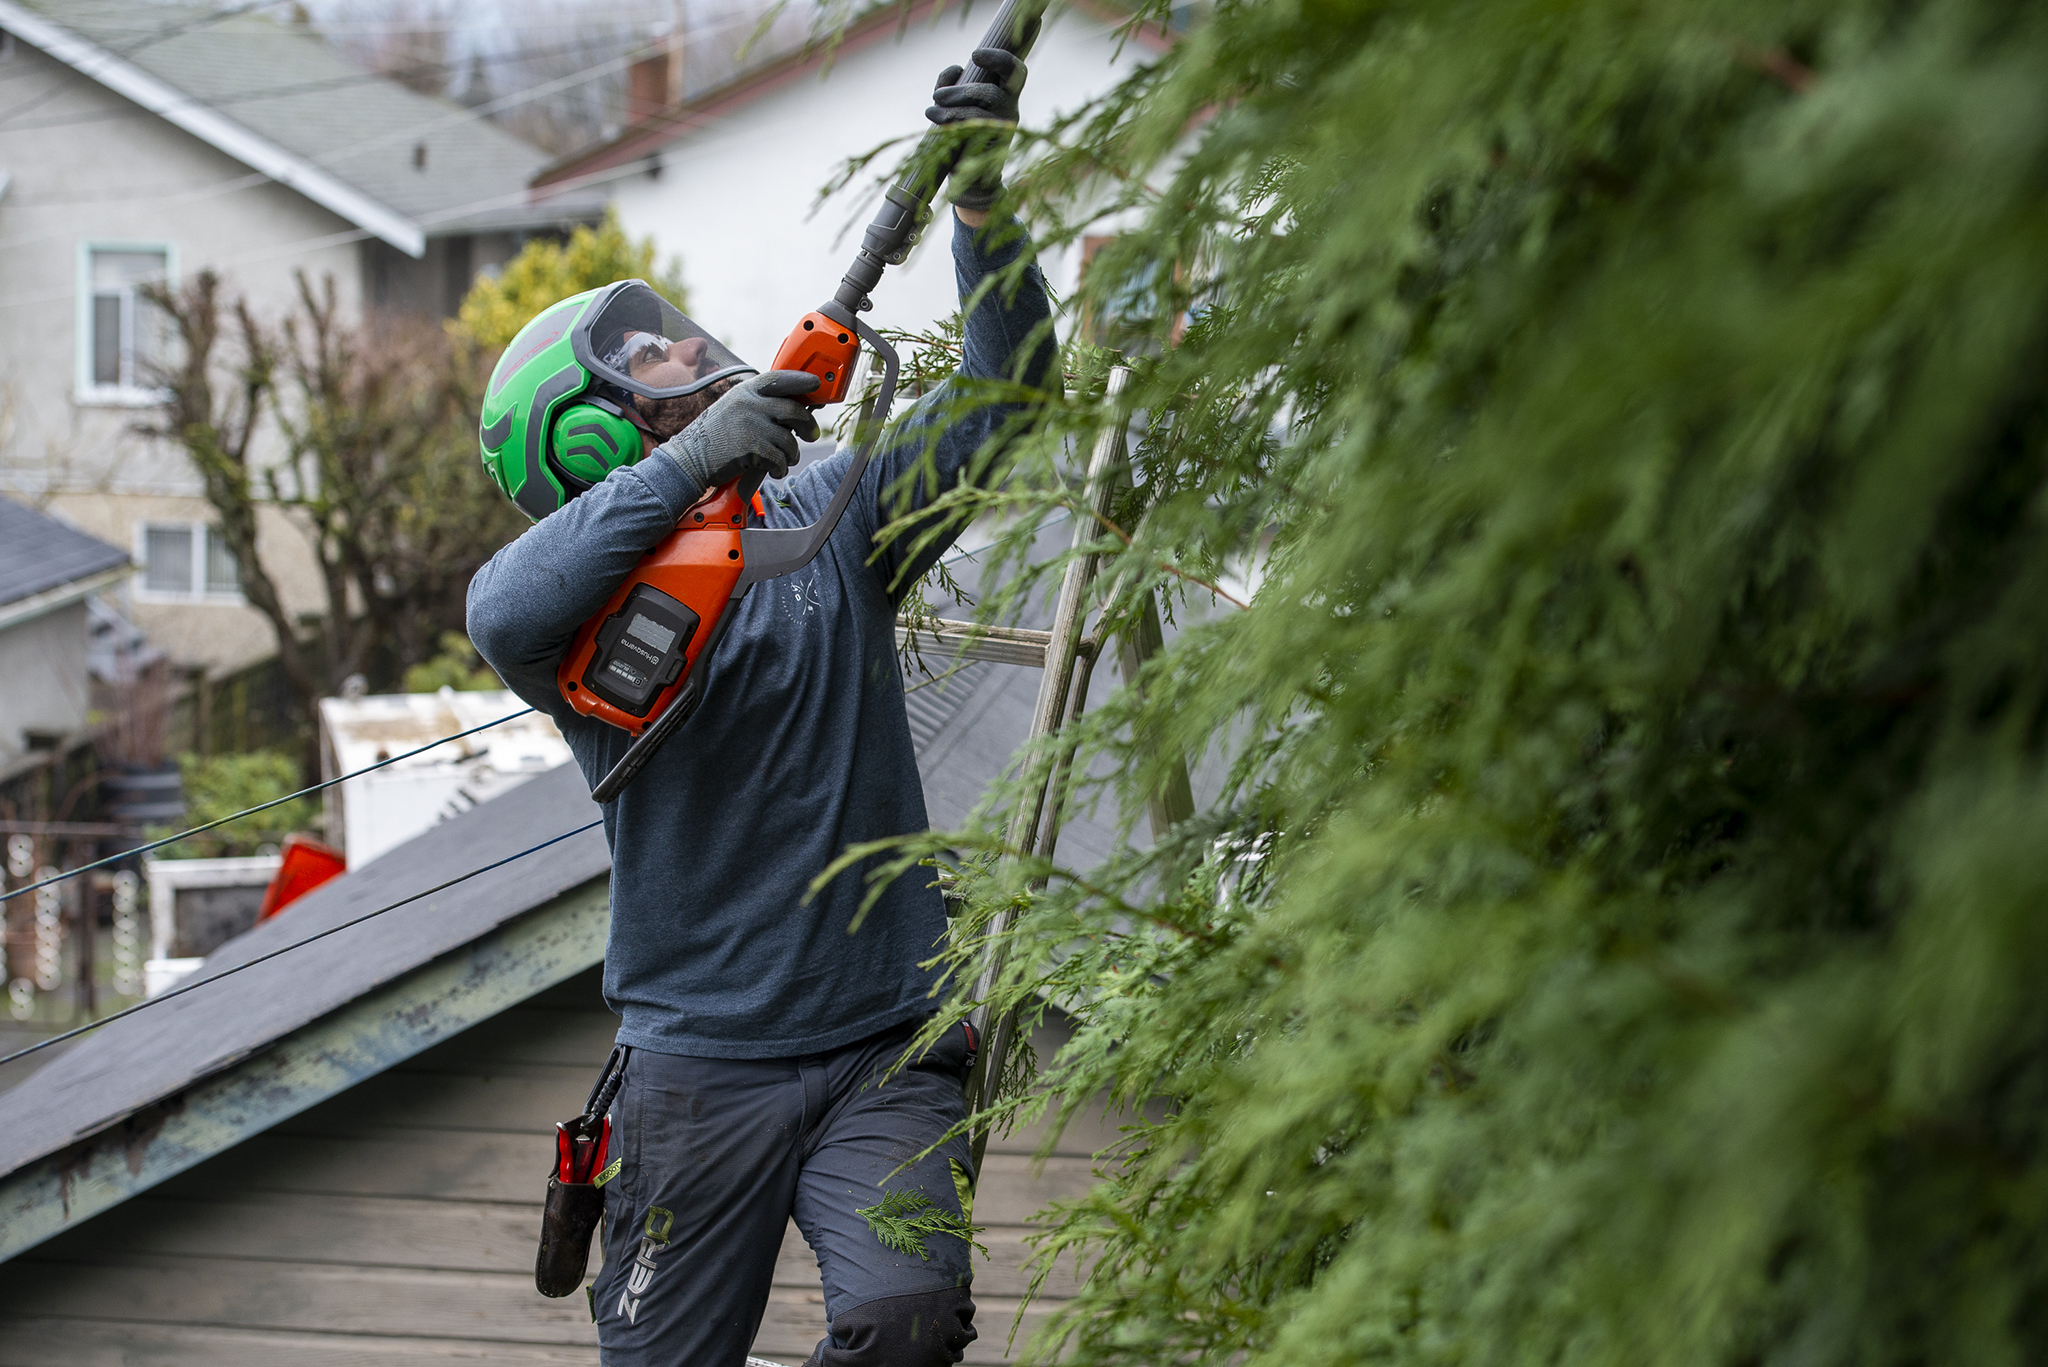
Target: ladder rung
column 972, row 641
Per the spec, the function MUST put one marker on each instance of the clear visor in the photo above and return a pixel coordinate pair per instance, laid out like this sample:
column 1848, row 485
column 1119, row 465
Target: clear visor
column 639, row 341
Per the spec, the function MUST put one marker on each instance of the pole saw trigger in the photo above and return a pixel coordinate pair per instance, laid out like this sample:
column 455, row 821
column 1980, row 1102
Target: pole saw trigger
column 823, row 346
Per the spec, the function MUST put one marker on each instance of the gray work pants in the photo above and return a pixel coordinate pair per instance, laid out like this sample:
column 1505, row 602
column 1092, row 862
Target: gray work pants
column 718, row 1154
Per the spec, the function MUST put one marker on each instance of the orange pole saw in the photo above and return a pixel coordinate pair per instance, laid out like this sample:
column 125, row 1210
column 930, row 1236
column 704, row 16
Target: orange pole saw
column 640, row 663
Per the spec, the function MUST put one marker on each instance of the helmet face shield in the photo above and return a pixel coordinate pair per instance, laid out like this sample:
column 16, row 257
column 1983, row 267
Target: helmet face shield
column 633, row 338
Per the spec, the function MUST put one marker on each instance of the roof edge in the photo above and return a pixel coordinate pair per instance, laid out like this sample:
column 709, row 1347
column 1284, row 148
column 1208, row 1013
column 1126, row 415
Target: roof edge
column 60, row 1190
column 651, row 132
column 202, row 121
column 667, row 124
column 62, row 596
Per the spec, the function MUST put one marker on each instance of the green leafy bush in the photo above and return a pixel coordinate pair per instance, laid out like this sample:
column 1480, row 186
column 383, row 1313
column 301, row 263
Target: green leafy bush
column 221, row 785
column 546, row 272
column 1617, row 937
column 458, row 666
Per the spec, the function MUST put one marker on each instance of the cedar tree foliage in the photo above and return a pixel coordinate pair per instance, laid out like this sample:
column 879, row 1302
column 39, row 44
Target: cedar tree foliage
column 1606, row 934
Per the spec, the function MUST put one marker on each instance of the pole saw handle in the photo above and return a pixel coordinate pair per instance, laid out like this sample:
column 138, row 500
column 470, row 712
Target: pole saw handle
column 1013, row 30
column 907, row 204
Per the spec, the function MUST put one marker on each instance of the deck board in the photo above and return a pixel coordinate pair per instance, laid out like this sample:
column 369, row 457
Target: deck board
column 463, row 1165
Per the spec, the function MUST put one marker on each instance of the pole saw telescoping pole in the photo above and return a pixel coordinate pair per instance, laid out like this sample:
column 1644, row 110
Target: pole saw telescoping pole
column 639, row 664
column 907, row 203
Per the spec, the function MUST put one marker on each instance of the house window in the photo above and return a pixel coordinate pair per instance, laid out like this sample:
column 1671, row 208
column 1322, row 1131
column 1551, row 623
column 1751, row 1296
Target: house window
column 123, row 333
column 188, row 560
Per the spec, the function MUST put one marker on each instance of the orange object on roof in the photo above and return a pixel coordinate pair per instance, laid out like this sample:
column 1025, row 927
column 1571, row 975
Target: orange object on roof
column 307, row 864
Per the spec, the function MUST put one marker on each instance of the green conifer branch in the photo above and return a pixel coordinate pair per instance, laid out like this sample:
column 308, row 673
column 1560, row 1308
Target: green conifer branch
column 904, row 1218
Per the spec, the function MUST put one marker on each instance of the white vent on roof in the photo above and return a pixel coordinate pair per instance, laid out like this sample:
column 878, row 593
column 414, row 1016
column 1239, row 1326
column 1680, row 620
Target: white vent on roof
column 369, row 815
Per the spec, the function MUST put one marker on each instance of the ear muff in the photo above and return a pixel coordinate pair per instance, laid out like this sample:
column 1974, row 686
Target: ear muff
column 591, row 441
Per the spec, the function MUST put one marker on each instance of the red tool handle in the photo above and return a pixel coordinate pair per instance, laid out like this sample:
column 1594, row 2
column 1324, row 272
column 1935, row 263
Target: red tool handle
column 580, row 1157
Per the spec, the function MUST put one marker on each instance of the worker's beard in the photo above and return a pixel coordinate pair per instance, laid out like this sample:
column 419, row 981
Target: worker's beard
column 666, row 417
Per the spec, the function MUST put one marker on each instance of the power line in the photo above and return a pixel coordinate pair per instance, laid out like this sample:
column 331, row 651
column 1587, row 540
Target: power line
column 156, row 36
column 398, row 75
column 296, row 944
column 453, row 212
column 259, row 807
column 359, row 234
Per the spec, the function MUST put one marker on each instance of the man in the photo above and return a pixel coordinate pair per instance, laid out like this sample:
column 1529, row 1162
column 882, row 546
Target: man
column 759, row 1021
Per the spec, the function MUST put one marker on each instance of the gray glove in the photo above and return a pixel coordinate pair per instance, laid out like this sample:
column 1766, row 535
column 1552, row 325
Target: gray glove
column 752, row 427
column 995, row 101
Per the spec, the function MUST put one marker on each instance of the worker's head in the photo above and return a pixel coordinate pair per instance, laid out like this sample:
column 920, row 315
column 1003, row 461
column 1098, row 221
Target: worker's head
column 654, row 361
column 664, row 365
column 591, row 385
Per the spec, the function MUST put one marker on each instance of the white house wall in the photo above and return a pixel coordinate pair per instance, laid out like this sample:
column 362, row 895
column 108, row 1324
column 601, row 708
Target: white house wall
column 738, row 201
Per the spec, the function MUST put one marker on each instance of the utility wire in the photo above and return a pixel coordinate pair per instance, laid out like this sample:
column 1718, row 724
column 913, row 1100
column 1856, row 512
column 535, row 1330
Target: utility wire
column 309, row 244
column 154, row 36
column 296, row 944
column 251, row 811
column 331, row 156
column 393, row 75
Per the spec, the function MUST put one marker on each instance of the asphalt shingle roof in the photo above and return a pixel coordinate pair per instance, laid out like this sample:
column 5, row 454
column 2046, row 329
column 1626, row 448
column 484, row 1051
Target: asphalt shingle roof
column 966, row 740
column 39, row 553
column 283, row 83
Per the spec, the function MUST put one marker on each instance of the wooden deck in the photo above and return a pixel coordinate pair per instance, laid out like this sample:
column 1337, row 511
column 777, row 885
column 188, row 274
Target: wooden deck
column 397, row 1223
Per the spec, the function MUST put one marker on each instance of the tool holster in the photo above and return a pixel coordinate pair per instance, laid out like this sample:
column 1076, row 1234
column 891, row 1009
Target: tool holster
column 576, row 1186
column 565, row 1228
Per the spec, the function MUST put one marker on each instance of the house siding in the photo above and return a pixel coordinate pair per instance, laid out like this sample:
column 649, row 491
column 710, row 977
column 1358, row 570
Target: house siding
column 104, row 170
column 88, row 167
column 223, row 635
column 397, row 1221
column 437, row 282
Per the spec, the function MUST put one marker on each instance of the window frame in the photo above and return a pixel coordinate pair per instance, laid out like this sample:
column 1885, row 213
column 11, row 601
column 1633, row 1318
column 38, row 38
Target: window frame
column 203, row 535
column 87, row 390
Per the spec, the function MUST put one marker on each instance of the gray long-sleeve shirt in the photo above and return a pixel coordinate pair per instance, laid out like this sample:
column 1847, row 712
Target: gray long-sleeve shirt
column 800, row 748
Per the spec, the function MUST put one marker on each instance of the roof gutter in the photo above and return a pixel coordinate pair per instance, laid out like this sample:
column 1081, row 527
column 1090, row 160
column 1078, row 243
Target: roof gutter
column 63, row 596
column 207, row 124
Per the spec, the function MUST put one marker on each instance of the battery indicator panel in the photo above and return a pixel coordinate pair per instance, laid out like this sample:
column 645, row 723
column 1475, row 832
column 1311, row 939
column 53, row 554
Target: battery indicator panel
column 640, row 650
column 651, row 631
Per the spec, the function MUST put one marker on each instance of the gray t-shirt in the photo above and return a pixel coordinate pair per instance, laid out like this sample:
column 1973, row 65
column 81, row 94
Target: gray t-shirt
column 800, row 748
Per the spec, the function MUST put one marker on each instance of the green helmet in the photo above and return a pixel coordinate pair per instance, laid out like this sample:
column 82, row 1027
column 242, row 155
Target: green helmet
column 558, row 413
